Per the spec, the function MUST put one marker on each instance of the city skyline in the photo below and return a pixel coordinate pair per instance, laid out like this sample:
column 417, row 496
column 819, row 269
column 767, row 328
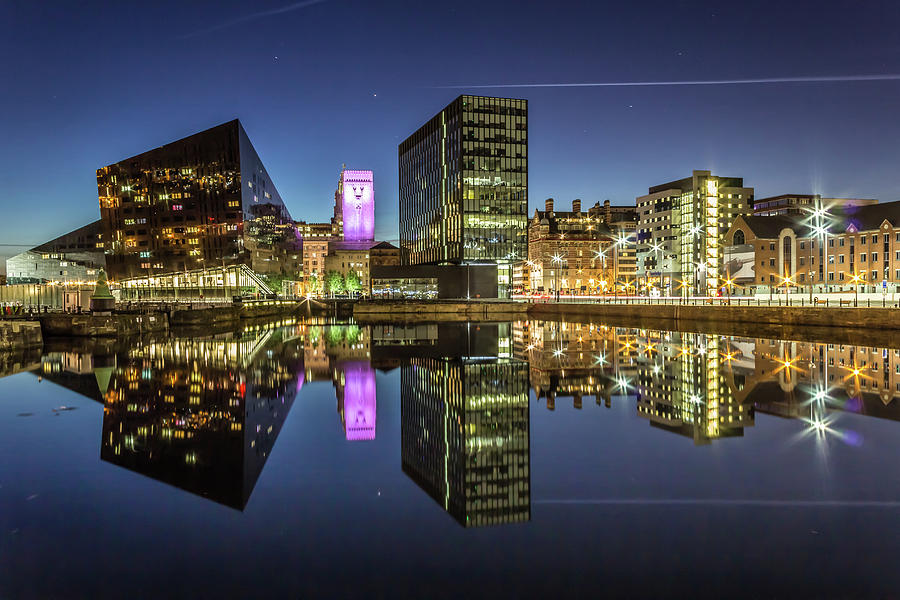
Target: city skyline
column 815, row 130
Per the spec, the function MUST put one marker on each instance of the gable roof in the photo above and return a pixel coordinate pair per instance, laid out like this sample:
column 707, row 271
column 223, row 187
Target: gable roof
column 867, row 218
column 770, row 227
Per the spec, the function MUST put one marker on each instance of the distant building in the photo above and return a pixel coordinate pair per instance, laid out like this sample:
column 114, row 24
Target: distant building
column 785, row 253
column 203, row 201
column 463, row 186
column 680, row 231
column 570, row 251
column 346, row 257
column 74, row 257
column 803, row 204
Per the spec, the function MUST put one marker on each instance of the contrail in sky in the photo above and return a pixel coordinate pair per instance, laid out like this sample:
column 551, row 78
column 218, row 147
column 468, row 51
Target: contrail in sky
column 720, row 502
column 823, row 79
column 254, row 16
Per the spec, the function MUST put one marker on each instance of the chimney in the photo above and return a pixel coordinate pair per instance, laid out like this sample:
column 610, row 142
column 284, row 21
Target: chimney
column 576, row 205
column 548, row 205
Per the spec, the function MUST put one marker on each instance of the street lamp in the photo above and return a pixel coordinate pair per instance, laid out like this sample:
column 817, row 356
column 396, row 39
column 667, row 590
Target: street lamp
column 855, row 281
column 622, row 240
column 557, row 260
column 788, row 281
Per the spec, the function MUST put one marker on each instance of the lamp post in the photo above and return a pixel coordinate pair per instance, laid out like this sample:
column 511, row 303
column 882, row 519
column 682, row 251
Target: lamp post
column 622, row 240
column 787, row 290
column 600, row 254
column 855, row 281
column 656, row 250
column 557, row 260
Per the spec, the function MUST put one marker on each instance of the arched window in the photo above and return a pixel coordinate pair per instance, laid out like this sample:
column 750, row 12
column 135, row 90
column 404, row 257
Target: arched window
column 738, row 238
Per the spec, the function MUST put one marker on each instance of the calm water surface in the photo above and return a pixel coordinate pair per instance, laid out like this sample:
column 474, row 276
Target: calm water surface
column 317, row 459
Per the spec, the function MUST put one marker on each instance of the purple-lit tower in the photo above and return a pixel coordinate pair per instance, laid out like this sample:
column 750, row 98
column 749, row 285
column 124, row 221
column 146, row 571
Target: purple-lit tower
column 359, row 403
column 358, row 205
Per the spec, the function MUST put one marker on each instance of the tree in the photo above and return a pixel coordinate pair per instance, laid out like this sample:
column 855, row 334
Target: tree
column 312, row 286
column 352, row 282
column 334, row 282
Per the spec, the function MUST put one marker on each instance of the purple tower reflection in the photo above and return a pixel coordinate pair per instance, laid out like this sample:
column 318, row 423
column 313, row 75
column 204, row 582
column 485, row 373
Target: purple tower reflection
column 358, row 205
column 358, row 402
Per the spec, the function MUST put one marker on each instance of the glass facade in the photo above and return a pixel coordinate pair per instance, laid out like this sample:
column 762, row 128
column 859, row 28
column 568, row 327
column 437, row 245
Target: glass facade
column 463, row 185
column 202, row 201
column 75, row 257
column 465, row 436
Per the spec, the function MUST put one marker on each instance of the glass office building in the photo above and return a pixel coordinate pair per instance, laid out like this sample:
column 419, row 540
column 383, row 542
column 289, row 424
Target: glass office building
column 464, row 186
column 202, row 201
column 465, row 436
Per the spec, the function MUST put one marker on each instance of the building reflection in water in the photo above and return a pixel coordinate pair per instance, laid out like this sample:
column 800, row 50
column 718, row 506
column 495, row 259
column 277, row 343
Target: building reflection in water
column 341, row 353
column 465, row 423
column 203, row 414
column 705, row 386
column 200, row 414
column 576, row 360
column 686, row 385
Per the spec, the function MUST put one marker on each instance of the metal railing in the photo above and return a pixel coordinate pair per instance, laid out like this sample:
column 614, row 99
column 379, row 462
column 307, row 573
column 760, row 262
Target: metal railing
column 864, row 301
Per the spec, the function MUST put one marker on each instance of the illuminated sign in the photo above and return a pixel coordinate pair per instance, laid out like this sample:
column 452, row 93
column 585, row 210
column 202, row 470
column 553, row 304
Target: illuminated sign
column 358, row 205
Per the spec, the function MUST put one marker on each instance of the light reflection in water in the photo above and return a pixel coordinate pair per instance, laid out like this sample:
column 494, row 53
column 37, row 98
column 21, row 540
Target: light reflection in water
column 203, row 413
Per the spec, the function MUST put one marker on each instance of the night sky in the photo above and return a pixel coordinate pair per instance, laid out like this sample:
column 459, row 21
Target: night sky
column 317, row 84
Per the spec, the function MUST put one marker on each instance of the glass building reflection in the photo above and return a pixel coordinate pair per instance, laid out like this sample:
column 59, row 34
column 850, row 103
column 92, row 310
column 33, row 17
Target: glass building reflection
column 200, row 414
column 465, row 428
column 686, row 385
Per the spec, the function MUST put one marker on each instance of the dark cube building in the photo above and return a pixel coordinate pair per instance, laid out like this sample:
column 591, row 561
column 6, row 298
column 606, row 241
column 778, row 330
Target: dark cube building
column 463, row 186
column 200, row 202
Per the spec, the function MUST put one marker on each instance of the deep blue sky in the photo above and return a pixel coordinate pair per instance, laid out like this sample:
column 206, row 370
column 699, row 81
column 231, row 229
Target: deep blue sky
column 85, row 84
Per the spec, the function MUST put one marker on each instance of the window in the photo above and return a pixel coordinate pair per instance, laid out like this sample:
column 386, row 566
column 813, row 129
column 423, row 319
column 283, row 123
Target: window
column 841, row 243
column 841, row 259
column 738, row 238
column 862, row 240
column 831, row 276
column 875, row 238
column 862, row 257
column 874, row 257
column 803, row 245
column 771, row 262
column 772, row 247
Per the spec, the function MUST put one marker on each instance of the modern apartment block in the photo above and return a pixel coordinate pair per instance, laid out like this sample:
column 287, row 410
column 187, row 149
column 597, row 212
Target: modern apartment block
column 680, row 230
column 464, row 186
column 200, row 202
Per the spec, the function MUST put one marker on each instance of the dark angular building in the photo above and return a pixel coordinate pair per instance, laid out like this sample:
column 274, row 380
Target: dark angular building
column 200, row 202
column 464, row 186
